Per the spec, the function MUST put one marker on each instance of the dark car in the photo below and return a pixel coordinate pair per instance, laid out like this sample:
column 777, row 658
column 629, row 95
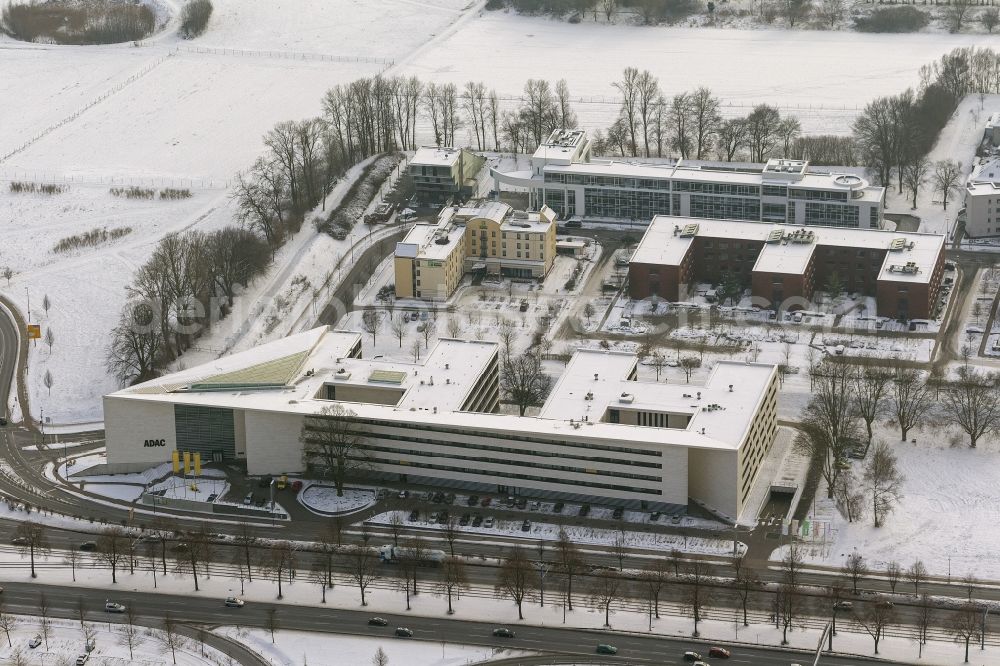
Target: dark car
column 618, row 513
column 721, row 653
column 521, row 503
column 20, row 541
column 449, row 498
column 473, row 500
column 438, row 498
column 503, row 632
column 414, row 515
column 557, row 507
column 604, row 648
column 378, row 622
column 442, row 518
column 486, row 501
column 464, row 520
column 181, row 548
column 585, row 510
column 3, row 421
column 477, row 521
column 88, row 546
column 526, row 526
column 403, row 632
column 655, row 516
column 264, row 482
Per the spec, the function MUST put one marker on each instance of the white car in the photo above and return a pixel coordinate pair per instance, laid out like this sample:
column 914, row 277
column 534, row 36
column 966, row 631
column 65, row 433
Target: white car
column 113, row 607
column 35, row 642
column 82, row 659
column 234, row 602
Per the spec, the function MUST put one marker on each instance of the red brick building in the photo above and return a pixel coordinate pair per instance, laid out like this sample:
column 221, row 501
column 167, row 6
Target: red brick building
column 783, row 265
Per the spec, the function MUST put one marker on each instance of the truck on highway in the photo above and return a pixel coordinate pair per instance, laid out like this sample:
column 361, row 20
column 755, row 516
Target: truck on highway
column 429, row 558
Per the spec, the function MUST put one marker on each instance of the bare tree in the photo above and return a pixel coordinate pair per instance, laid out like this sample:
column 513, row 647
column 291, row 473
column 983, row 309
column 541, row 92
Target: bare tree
column 946, row 177
column 629, row 112
column 689, row 364
column 371, row 322
column 199, row 550
column 876, row 618
column 8, row 623
column 50, row 338
column 271, row 622
column 884, row 482
column 380, row 658
column 705, row 120
column 916, row 574
column 969, row 582
column 990, row 18
column 956, row 13
column 567, row 118
column 568, row 563
column 825, row 433
column 281, row 562
column 318, row 575
column 135, row 344
column 912, row 400
column 44, row 618
column 966, row 626
column 893, row 572
column 523, row 381
column 454, row 578
column 733, row 135
column 335, row 443
column 399, row 327
column 507, row 333
column 112, row 548
column 832, row 12
column 131, row 635
column 745, row 582
column 795, row 10
column 925, row 616
column 516, row 578
column 855, row 568
column 169, row 637
column 361, row 567
column 31, row 540
column 870, row 389
column 697, row 592
column 48, row 381
column 246, row 541
column 972, row 403
column 762, row 131
column 654, row 576
column 915, row 176
column 605, row 588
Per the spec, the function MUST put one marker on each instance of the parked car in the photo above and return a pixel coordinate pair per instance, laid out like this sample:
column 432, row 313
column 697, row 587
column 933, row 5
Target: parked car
column 720, row 652
column 234, row 602
column 584, row 510
column 403, row 632
column 264, row 482
column 403, row 494
column 521, row 503
column 414, row 515
column 82, row 659
column 35, row 641
column 449, row 498
column 618, row 513
column 378, row 622
column 477, row 520
column 464, row 520
column 526, row 526
column 604, row 648
column 557, row 507
column 655, row 516
column 113, row 607
column 503, row 632
column 473, row 500
column 488, row 523
column 486, row 501
column 3, row 421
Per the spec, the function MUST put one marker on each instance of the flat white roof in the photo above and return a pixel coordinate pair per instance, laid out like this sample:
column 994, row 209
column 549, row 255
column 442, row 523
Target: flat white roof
column 436, row 156
column 455, row 366
column 662, row 244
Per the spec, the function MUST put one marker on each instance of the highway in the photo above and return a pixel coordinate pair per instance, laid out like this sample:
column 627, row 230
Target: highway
column 632, row 648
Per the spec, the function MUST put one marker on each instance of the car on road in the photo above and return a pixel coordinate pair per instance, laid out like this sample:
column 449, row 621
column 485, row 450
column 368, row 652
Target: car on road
column 843, row 605
column 181, row 548
column 378, row 622
column 604, row 648
column 701, row 663
column 234, row 602
column 503, row 632
column 82, row 659
column 20, row 541
column 113, row 607
column 692, row 656
column 884, row 603
column 88, row 545
column 35, row 641
column 720, row 652
column 403, row 632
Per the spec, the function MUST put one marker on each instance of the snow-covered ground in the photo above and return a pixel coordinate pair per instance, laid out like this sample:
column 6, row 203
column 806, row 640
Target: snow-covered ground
column 292, row 648
column 823, row 77
column 947, row 516
column 323, row 499
column 66, row 642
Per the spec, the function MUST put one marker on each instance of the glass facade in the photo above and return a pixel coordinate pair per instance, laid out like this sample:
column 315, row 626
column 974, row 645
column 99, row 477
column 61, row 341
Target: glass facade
column 773, row 213
column 717, row 188
column 632, row 205
column 209, row 431
column 725, row 208
column 817, row 195
column 833, row 215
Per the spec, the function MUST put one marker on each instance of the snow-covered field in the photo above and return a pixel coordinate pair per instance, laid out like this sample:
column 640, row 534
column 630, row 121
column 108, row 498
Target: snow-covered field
column 821, row 76
column 947, row 516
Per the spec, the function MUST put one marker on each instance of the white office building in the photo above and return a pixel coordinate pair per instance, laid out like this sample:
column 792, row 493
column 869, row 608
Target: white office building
column 982, row 200
column 600, row 436
column 564, row 177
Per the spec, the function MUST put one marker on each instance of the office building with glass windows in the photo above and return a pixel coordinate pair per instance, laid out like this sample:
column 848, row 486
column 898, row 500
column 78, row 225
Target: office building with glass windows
column 602, row 434
column 564, row 177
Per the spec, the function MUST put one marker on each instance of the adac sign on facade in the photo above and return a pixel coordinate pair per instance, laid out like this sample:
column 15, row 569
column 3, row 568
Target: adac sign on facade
column 149, row 443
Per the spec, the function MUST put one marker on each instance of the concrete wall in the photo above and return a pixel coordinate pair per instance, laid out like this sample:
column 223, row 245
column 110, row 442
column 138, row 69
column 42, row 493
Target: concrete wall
column 712, row 475
column 134, row 430
column 273, row 445
column 646, row 280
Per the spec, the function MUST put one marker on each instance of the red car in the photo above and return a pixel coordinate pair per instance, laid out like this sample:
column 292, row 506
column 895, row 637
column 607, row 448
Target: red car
column 721, row 653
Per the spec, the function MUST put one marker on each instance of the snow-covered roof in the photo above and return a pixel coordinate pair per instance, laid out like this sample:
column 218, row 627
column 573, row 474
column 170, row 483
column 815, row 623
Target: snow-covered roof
column 431, row 241
column 987, row 171
column 434, row 390
column 911, row 257
column 435, row 156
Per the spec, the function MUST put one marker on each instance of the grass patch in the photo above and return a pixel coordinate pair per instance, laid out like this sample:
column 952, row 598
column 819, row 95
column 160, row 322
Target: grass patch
column 18, row 187
column 69, row 22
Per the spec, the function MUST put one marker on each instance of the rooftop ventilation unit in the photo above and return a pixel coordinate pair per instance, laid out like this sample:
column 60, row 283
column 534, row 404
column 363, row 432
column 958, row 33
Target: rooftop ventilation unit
column 897, row 244
column 689, row 231
column 775, row 236
column 802, row 236
column 342, row 374
column 626, row 398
